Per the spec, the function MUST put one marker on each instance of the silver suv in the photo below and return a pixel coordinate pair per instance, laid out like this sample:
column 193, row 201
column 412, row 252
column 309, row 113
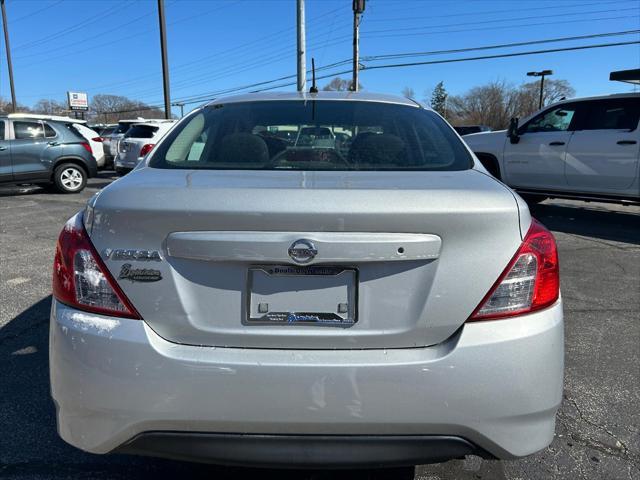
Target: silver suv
column 44, row 152
column 246, row 298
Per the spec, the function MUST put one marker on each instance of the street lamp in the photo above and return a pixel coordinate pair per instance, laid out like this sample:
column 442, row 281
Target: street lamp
column 540, row 74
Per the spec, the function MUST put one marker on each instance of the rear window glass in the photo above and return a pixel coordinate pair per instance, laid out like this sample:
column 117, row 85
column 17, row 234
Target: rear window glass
column 312, row 135
column 26, row 130
column 122, row 128
column 141, row 131
column 48, row 131
column 614, row 114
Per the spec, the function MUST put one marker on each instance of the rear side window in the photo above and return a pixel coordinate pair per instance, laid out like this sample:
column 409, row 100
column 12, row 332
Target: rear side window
column 312, row 135
column 28, row 130
column 141, row 131
column 614, row 114
column 49, row 132
column 1, row 129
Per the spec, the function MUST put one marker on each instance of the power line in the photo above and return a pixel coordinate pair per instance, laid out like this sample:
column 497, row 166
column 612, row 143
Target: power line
column 503, row 45
column 489, row 12
column 498, row 27
column 410, row 64
column 76, row 26
column 504, row 55
column 35, row 12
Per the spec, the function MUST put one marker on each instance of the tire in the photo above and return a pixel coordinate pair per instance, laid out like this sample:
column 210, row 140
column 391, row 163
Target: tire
column 69, row 178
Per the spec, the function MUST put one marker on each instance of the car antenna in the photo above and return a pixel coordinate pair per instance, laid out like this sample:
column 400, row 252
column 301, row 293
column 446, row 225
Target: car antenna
column 314, row 88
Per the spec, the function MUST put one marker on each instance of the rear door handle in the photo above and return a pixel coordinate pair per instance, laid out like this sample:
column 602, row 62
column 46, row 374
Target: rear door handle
column 556, row 144
column 2, row 148
column 53, row 144
column 627, row 142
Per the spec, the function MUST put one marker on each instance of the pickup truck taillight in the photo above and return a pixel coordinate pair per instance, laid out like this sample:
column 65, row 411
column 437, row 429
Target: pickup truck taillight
column 530, row 282
column 146, row 149
column 80, row 278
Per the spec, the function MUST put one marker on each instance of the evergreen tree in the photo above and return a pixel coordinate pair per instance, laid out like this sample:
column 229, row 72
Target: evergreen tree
column 439, row 99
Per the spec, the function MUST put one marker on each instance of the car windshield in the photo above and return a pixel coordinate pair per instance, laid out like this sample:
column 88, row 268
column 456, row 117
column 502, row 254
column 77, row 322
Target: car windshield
column 312, row 135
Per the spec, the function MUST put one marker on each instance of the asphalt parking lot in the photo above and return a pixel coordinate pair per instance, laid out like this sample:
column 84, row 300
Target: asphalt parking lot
column 598, row 428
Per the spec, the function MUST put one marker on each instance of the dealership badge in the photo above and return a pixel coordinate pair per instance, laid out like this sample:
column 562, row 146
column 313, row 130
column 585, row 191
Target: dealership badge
column 139, row 274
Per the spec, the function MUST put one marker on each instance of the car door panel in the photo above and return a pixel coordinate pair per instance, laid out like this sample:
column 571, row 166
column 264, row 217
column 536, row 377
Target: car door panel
column 28, row 148
column 537, row 160
column 603, row 155
column 6, row 172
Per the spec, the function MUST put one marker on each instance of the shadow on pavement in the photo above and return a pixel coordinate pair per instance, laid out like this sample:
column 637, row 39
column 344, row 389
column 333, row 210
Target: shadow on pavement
column 30, row 446
column 590, row 220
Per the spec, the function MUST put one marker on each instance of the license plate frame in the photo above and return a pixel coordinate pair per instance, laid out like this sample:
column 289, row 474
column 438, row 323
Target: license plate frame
column 272, row 283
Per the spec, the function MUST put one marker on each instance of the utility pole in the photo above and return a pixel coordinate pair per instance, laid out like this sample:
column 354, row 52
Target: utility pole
column 165, row 63
column 8, row 49
column 358, row 8
column 302, row 46
column 181, row 105
column 540, row 74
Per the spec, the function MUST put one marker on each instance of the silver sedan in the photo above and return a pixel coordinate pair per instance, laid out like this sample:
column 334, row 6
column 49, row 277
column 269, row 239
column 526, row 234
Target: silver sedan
column 319, row 280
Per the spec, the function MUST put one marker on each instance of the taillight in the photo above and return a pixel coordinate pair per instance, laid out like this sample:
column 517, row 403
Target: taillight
column 87, row 147
column 530, row 282
column 146, row 149
column 96, row 139
column 80, row 278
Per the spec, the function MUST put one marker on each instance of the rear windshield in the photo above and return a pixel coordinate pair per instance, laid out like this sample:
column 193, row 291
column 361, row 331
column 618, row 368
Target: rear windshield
column 122, row 128
column 141, row 131
column 312, row 135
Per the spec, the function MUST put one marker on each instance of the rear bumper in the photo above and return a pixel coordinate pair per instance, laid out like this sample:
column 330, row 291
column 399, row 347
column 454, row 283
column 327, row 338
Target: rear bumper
column 301, row 451
column 126, row 163
column 494, row 385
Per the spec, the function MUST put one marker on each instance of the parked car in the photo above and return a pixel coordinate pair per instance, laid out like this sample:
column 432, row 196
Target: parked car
column 235, row 303
column 468, row 129
column 44, row 152
column 105, row 134
column 118, row 132
column 92, row 137
column 137, row 142
column 586, row 148
column 95, row 141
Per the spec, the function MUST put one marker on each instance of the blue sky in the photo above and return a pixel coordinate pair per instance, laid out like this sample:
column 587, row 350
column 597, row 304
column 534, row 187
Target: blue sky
column 112, row 46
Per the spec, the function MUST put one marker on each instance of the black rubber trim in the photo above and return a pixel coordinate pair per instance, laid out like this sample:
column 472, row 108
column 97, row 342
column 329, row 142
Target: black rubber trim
column 594, row 197
column 301, row 451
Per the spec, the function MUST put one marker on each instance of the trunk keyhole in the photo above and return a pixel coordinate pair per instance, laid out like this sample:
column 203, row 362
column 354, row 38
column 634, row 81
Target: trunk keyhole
column 400, row 250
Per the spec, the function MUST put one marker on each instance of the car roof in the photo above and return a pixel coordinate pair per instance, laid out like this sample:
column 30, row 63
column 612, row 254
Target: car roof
column 322, row 95
column 38, row 116
column 155, row 124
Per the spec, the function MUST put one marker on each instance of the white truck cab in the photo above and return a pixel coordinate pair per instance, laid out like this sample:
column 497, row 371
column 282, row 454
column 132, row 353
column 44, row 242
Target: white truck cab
column 586, row 148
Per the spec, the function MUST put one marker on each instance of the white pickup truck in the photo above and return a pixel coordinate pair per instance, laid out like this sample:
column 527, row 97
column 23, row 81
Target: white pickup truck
column 587, row 148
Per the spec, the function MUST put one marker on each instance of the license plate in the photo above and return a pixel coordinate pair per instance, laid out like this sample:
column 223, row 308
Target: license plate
column 318, row 295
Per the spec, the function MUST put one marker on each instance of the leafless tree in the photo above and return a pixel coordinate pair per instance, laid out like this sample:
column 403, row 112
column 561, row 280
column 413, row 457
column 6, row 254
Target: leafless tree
column 408, row 92
column 50, row 107
column 496, row 103
column 338, row 84
column 111, row 108
column 554, row 90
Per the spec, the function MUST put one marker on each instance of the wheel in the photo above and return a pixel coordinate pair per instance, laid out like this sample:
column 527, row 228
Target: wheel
column 69, row 178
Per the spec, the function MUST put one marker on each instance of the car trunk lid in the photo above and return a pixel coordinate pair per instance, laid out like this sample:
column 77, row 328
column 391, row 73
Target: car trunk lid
column 399, row 259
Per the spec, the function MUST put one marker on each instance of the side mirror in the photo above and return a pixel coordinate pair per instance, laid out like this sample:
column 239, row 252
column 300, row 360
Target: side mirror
column 512, row 132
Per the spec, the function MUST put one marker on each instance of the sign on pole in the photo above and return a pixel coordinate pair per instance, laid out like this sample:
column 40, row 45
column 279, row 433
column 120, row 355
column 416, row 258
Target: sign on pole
column 78, row 101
